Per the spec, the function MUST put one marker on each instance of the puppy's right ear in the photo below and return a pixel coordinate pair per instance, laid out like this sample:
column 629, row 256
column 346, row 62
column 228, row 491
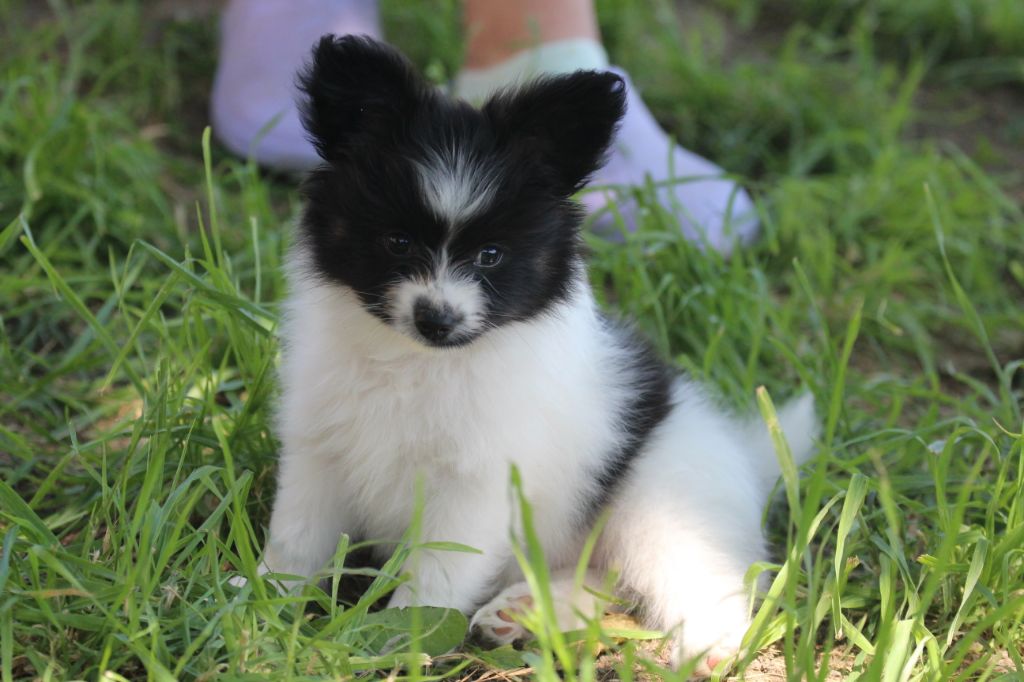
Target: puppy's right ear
column 568, row 120
column 355, row 88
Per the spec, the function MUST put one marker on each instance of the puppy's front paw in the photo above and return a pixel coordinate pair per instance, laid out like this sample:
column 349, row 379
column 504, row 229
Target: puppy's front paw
column 495, row 623
column 238, row 581
column 282, row 586
column 241, row 581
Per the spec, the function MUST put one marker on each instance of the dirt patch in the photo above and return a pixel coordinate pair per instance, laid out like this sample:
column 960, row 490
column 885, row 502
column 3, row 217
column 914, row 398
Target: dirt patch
column 770, row 666
column 984, row 121
column 985, row 124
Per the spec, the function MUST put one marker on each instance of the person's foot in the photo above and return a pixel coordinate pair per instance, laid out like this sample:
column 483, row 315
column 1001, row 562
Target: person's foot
column 253, row 111
column 711, row 209
column 263, row 44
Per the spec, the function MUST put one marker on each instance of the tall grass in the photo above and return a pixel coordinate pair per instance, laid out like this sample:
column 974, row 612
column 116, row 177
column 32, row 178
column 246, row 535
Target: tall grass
column 139, row 275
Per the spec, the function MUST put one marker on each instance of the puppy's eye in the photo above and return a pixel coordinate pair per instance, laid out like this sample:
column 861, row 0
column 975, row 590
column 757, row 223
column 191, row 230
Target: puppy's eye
column 488, row 257
column 398, row 243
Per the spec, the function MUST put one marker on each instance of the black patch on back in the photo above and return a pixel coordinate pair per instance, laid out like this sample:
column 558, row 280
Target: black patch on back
column 649, row 381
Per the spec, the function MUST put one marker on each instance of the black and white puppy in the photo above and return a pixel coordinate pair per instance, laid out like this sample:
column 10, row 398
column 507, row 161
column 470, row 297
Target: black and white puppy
column 440, row 326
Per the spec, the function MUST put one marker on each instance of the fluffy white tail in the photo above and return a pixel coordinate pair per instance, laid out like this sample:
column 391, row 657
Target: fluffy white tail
column 799, row 423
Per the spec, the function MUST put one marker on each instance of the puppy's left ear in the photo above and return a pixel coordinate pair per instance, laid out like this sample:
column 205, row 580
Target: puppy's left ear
column 569, row 120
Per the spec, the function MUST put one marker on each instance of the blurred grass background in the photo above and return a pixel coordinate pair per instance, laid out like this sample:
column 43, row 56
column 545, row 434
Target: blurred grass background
column 883, row 140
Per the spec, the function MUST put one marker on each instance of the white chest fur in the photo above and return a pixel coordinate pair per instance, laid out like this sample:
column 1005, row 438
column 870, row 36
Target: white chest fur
column 369, row 411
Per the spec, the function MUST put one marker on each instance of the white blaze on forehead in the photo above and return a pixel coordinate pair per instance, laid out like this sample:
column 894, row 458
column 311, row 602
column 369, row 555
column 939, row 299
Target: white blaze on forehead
column 455, row 185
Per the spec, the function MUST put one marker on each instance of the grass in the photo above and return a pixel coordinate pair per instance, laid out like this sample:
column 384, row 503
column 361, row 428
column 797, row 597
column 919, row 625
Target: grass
column 139, row 280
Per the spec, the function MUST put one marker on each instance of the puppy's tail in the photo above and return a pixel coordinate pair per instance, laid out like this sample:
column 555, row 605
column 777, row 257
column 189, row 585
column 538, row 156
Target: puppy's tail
column 799, row 423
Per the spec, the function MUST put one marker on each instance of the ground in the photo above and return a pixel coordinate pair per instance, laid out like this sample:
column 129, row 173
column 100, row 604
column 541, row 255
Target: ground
column 139, row 281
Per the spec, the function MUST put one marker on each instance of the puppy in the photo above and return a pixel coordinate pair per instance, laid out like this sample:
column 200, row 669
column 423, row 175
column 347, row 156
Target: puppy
column 441, row 327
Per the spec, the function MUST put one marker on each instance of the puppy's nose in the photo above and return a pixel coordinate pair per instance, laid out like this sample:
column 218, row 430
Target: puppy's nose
column 435, row 324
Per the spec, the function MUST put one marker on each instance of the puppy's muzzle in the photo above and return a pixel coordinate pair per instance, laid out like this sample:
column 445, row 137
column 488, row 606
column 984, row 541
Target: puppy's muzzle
column 435, row 323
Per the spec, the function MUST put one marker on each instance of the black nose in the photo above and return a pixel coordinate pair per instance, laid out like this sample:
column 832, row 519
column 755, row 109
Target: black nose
column 435, row 324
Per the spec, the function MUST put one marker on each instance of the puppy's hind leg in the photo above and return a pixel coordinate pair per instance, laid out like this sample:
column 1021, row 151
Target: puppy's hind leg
column 684, row 529
column 689, row 583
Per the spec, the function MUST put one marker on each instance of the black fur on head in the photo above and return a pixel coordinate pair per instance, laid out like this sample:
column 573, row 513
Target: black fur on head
column 425, row 203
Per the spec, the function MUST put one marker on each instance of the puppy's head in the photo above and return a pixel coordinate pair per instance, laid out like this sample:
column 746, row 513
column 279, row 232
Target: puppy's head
column 447, row 220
